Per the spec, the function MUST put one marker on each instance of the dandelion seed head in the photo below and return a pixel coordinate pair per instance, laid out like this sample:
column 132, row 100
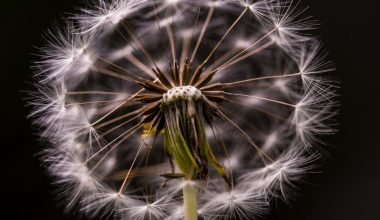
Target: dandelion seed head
column 142, row 100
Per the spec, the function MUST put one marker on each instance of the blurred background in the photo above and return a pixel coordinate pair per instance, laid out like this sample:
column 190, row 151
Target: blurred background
column 348, row 187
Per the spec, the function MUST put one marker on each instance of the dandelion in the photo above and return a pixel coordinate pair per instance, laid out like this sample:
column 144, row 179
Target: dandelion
column 179, row 109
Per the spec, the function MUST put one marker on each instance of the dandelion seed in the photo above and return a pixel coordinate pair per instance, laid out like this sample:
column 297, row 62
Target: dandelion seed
column 174, row 109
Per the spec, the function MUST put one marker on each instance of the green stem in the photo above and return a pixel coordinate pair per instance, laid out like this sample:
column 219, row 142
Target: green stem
column 190, row 201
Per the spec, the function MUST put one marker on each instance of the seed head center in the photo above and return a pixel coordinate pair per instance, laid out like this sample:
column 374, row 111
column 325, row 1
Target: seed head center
column 181, row 93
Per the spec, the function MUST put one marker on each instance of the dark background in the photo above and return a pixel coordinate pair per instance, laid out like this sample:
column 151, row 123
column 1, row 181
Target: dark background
column 348, row 188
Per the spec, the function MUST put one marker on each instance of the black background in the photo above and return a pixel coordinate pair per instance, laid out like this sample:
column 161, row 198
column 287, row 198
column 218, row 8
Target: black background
column 348, row 188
